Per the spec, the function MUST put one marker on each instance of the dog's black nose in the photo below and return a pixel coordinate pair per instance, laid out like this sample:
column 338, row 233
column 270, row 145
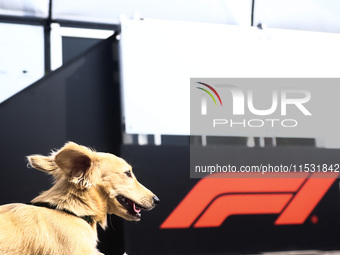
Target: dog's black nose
column 156, row 200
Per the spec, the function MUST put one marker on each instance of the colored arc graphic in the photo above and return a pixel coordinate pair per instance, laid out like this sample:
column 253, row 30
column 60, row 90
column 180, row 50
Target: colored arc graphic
column 212, row 89
column 209, row 94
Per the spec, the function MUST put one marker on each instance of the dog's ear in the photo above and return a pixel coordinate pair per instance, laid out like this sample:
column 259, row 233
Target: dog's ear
column 76, row 162
column 43, row 163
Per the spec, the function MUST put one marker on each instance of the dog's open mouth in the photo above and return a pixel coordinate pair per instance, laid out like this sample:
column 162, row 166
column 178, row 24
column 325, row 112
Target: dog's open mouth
column 130, row 206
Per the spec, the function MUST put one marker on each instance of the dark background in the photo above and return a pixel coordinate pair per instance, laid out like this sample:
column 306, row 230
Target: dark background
column 165, row 169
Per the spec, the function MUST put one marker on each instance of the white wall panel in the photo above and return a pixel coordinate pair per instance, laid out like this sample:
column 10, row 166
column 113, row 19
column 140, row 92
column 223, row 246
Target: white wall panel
column 236, row 12
column 312, row 15
column 31, row 8
column 159, row 58
column 21, row 57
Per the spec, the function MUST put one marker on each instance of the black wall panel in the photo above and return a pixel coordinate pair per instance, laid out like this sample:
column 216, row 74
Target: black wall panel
column 74, row 46
column 165, row 170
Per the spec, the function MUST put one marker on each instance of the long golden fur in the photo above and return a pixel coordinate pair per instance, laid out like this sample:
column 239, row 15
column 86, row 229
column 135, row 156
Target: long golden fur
column 87, row 183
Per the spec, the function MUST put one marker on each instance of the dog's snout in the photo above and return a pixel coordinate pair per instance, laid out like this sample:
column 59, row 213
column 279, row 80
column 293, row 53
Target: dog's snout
column 156, row 200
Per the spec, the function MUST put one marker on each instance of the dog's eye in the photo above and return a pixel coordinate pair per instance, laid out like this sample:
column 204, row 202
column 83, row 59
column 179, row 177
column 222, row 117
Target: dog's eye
column 128, row 173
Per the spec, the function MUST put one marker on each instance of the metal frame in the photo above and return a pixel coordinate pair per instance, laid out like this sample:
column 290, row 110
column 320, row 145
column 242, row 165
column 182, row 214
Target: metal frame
column 46, row 24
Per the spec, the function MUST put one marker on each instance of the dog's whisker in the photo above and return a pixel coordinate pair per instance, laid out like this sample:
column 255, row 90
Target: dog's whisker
column 111, row 225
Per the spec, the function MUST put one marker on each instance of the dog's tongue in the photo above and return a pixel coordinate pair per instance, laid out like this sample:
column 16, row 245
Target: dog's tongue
column 135, row 209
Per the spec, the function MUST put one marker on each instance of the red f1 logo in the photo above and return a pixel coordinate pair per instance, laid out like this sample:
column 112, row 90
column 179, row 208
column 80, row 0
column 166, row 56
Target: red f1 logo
column 213, row 200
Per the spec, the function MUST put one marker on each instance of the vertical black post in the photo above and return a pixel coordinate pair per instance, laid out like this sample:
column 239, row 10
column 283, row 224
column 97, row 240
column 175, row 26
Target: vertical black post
column 47, row 39
column 252, row 12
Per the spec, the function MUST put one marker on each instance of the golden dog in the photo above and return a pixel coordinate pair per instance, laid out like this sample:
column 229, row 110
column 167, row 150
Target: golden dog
column 62, row 220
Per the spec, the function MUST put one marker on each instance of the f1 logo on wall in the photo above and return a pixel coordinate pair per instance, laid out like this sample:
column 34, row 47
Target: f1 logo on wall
column 213, row 200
